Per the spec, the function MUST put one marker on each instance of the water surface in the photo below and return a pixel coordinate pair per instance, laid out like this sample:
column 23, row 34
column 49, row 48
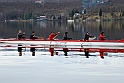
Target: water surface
column 112, row 29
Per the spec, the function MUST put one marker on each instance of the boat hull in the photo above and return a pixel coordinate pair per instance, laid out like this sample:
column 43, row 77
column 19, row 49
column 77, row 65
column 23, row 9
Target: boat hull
column 114, row 44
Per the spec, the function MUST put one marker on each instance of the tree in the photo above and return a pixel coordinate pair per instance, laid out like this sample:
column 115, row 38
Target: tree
column 72, row 12
column 60, row 17
column 70, row 15
column 76, row 11
column 123, row 13
column 112, row 14
column 100, row 13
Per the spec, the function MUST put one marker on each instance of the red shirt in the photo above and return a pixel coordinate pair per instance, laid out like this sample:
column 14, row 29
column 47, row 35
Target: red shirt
column 102, row 37
column 52, row 36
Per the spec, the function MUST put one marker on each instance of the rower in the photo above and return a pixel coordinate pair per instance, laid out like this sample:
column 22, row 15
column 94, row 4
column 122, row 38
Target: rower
column 23, row 35
column 65, row 36
column 20, row 35
column 32, row 49
column 32, row 36
column 87, row 36
column 102, row 37
column 52, row 35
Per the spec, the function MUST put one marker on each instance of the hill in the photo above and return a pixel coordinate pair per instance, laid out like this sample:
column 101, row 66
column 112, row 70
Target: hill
column 40, row 0
column 18, row 10
column 111, row 10
column 28, row 9
column 111, row 6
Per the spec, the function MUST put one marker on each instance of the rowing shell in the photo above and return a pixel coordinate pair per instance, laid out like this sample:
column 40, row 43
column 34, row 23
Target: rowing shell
column 114, row 44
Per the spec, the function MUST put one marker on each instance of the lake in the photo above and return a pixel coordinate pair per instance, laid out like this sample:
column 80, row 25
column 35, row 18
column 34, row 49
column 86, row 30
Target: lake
column 113, row 29
column 74, row 68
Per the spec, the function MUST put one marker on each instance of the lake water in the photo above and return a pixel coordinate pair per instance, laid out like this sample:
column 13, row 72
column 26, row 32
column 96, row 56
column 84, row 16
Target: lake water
column 74, row 68
column 112, row 29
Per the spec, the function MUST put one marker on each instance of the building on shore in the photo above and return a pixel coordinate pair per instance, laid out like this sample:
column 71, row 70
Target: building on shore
column 39, row 1
column 41, row 18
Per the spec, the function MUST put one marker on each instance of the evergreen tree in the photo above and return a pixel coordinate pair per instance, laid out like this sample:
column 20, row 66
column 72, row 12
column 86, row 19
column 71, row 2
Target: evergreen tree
column 100, row 13
column 73, row 12
column 76, row 11
column 123, row 13
column 112, row 14
column 60, row 17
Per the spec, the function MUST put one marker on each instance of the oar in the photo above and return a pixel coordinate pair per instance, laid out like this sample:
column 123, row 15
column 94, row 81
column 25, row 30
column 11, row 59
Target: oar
column 56, row 35
column 41, row 38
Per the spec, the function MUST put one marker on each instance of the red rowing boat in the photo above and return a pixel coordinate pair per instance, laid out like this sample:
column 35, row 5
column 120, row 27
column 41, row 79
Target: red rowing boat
column 67, row 45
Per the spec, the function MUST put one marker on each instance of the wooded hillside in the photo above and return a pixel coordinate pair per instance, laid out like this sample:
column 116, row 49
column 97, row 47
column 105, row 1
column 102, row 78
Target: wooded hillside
column 23, row 10
column 111, row 6
column 30, row 10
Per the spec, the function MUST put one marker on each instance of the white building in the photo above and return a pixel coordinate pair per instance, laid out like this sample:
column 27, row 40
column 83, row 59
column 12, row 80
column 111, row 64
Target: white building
column 39, row 1
column 41, row 18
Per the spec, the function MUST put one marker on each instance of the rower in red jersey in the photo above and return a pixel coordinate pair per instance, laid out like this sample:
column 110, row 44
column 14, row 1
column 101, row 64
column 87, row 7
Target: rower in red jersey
column 52, row 35
column 101, row 36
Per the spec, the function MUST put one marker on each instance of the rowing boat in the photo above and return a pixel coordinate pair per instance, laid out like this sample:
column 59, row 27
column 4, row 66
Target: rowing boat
column 114, row 44
column 66, row 45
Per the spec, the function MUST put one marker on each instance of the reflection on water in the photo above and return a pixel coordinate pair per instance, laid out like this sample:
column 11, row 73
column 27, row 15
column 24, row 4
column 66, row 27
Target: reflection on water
column 78, row 69
column 112, row 29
